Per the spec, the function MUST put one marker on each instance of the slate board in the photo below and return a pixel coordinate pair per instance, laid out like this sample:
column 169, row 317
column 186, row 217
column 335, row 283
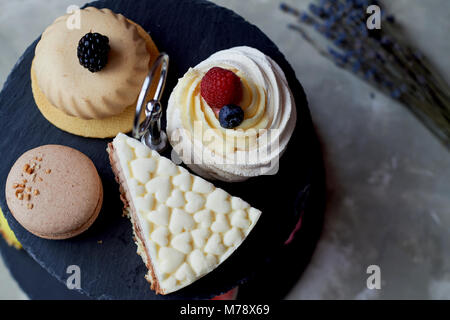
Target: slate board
column 26, row 272
column 189, row 31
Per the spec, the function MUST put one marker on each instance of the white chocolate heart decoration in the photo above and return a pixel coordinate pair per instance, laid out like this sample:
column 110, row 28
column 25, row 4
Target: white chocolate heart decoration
column 204, row 217
column 170, row 258
column 160, row 186
column 217, row 201
column 135, row 188
column 232, row 237
column 142, row 168
column 125, row 152
column 202, row 186
column 199, row 237
column 254, row 215
column 195, row 202
column 182, row 242
column 159, row 235
column 160, row 216
column 220, row 224
column 166, row 168
column 180, row 220
column 214, row 245
column 184, row 272
column 183, row 181
column 142, row 151
column 201, row 263
column 239, row 204
column 133, row 143
column 239, row 219
column 144, row 204
column 176, row 199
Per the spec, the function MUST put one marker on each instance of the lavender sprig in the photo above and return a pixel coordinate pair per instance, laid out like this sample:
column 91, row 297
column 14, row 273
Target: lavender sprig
column 379, row 57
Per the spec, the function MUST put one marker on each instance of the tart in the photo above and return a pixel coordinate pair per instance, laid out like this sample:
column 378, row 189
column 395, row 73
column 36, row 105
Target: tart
column 92, row 104
column 184, row 226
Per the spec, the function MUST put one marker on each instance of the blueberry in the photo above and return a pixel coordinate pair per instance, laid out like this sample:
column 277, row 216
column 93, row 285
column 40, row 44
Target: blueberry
column 230, row 116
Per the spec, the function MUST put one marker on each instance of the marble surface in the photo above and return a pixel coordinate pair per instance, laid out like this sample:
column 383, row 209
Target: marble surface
column 388, row 178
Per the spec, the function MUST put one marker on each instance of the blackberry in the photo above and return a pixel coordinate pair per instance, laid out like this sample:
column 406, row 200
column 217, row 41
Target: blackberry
column 231, row 116
column 93, row 51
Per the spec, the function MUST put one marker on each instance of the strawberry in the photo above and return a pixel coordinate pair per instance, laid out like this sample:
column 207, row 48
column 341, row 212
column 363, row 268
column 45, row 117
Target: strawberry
column 220, row 87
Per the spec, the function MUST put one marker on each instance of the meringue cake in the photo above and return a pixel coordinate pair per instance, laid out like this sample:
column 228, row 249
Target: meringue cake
column 184, row 226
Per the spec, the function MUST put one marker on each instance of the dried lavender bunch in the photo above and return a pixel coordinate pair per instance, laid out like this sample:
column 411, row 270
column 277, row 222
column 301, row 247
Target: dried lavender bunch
column 380, row 57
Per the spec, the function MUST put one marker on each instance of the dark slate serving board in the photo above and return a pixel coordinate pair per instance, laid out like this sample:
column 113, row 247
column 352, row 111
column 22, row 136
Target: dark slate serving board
column 189, row 31
column 26, row 272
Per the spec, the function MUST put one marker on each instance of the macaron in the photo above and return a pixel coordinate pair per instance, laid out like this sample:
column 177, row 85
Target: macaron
column 54, row 192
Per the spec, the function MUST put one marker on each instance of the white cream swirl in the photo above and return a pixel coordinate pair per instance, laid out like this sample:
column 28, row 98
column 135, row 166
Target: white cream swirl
column 254, row 147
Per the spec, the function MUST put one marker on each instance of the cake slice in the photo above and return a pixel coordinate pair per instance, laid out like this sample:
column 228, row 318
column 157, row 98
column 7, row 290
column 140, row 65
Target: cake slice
column 184, row 226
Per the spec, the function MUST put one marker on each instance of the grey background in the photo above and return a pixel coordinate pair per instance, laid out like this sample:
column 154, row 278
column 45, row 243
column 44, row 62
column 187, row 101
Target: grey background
column 388, row 178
